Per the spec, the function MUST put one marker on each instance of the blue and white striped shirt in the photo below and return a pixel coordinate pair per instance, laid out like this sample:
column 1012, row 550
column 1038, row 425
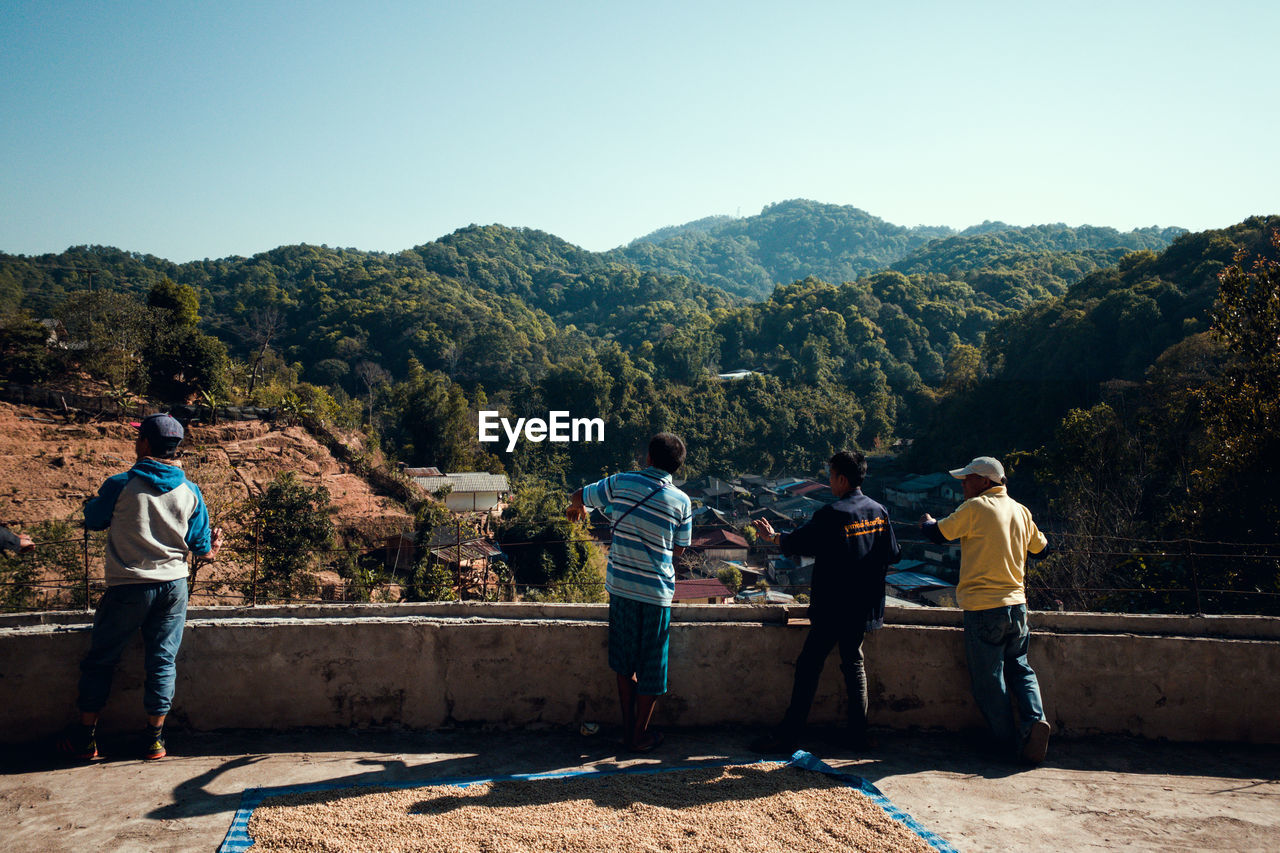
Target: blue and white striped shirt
column 640, row 566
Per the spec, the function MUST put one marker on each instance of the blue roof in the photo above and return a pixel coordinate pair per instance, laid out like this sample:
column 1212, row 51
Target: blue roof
column 925, row 482
column 798, row 502
column 913, row 580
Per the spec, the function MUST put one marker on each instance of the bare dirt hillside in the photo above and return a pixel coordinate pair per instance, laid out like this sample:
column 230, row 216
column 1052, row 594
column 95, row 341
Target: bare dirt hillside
column 48, row 467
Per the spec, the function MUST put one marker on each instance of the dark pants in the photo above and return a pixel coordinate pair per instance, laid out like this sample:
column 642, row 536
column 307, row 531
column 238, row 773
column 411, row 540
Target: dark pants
column 821, row 640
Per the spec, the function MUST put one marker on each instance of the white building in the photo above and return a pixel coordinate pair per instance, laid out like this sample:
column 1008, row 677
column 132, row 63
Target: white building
column 471, row 491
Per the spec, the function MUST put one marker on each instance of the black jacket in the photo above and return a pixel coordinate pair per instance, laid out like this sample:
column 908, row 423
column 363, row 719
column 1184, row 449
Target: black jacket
column 852, row 544
column 8, row 539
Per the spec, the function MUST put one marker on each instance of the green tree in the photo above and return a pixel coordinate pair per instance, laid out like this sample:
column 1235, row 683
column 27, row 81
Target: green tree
column 1242, row 410
column 546, row 551
column 19, row 581
column 174, row 304
column 731, row 577
column 431, row 579
column 58, row 556
column 288, row 525
column 24, row 354
column 183, row 362
column 113, row 330
column 180, row 360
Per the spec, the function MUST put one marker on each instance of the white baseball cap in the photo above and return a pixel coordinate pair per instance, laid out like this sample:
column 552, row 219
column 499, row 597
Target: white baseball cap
column 983, row 466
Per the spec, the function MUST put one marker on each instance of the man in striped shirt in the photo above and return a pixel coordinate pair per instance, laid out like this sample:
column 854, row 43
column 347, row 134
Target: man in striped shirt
column 652, row 523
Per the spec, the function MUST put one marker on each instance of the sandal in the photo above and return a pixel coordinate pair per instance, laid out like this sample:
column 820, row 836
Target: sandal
column 655, row 742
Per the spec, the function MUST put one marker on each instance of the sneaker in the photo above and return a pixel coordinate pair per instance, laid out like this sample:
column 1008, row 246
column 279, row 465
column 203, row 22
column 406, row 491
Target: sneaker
column 1037, row 743
column 79, row 742
column 155, row 748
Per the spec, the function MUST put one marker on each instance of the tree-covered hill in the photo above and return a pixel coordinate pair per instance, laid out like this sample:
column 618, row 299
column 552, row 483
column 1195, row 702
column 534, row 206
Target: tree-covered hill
column 1143, row 405
column 797, row 239
column 522, row 318
column 591, row 291
column 1061, row 353
column 1139, row 388
column 786, row 242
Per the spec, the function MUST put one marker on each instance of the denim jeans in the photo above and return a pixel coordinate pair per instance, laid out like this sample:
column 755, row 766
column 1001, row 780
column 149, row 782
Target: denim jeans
column 995, row 644
column 160, row 611
column 822, row 638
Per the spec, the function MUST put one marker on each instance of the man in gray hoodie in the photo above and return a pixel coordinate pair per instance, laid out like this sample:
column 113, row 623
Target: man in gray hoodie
column 154, row 516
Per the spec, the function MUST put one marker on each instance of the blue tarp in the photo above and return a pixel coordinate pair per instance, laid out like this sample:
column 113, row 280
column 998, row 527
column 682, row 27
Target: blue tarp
column 238, row 840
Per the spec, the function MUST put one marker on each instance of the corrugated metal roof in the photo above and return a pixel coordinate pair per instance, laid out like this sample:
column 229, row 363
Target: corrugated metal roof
column 770, row 596
column 913, row 580
column 476, row 549
column 468, row 482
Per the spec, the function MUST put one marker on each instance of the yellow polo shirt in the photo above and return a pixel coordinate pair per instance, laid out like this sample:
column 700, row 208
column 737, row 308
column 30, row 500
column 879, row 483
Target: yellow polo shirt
column 996, row 533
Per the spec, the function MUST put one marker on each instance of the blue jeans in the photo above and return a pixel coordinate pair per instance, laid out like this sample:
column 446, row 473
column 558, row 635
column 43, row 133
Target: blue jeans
column 995, row 644
column 160, row 611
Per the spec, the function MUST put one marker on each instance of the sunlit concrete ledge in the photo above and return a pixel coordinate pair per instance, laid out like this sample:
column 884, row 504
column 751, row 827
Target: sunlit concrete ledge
column 434, row 665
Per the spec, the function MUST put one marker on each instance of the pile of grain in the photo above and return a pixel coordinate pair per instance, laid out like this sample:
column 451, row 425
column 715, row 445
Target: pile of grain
column 756, row 807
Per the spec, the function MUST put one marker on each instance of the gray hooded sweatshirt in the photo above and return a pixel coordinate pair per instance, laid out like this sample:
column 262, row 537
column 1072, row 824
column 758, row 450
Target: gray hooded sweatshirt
column 155, row 516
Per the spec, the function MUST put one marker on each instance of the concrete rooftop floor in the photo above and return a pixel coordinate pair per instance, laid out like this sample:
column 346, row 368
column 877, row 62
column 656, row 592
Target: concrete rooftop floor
column 1098, row 793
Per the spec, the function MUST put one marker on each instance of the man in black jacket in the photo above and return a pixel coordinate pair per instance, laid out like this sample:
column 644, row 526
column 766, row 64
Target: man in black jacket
column 852, row 544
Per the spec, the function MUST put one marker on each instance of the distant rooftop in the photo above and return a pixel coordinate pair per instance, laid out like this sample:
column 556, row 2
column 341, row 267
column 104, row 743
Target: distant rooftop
column 699, row 588
column 470, row 481
column 718, row 538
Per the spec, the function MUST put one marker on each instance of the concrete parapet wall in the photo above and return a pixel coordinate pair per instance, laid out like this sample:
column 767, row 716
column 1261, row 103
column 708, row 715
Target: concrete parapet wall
column 432, row 665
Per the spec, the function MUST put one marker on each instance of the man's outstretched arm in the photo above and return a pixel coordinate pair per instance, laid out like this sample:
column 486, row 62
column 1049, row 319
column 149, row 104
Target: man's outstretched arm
column 929, row 527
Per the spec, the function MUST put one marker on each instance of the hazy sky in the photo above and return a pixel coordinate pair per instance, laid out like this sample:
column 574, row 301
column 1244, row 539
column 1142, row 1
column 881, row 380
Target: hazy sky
column 193, row 130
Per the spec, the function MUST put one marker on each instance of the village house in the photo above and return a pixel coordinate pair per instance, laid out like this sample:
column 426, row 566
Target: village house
column 471, row 491
column 799, row 509
column 763, row 596
column 702, row 591
column 924, row 491
column 910, row 579
column 778, row 520
column 469, row 562
column 718, row 544
column 792, row 572
column 709, row 516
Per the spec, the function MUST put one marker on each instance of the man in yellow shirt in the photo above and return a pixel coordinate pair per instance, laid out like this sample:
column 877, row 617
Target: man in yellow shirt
column 996, row 534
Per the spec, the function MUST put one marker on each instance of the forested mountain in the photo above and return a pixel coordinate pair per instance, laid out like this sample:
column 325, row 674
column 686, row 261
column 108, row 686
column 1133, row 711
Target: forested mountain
column 1138, row 391
column 1144, row 403
column 522, row 321
column 795, row 239
column 521, row 316
column 1112, row 326
column 787, row 241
